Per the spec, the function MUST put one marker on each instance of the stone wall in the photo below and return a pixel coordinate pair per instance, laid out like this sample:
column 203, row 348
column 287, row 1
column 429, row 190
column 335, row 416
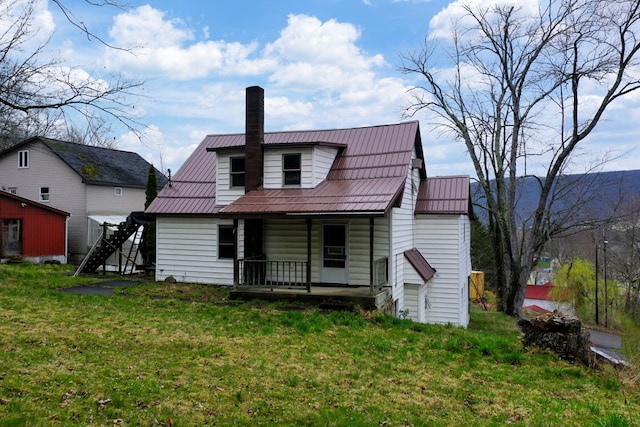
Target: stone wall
column 560, row 334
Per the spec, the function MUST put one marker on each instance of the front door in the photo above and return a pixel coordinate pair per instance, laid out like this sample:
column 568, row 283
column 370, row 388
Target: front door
column 11, row 237
column 334, row 253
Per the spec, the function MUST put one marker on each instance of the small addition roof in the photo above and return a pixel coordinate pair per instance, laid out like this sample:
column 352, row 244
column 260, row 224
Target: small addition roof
column 444, row 195
column 420, row 264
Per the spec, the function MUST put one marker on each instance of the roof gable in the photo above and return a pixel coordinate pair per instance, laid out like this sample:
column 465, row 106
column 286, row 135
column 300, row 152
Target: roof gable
column 100, row 166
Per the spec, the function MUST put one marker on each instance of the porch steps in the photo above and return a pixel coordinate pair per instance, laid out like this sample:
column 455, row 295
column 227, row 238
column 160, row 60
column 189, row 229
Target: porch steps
column 107, row 247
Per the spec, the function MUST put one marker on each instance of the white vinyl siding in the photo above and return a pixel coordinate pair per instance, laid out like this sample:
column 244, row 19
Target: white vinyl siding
column 323, row 158
column 273, row 166
column 411, row 275
column 412, row 302
column 225, row 194
column 441, row 239
column 102, row 200
column 286, row 240
column 187, row 250
column 402, row 236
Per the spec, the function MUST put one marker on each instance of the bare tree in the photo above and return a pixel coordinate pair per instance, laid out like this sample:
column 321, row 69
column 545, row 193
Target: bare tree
column 624, row 254
column 514, row 96
column 39, row 92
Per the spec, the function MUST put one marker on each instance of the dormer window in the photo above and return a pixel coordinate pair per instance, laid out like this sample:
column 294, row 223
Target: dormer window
column 291, row 169
column 23, row 159
column 237, row 169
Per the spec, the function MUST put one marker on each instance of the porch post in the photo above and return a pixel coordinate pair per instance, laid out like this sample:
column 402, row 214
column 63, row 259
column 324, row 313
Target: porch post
column 236, row 266
column 371, row 223
column 309, row 255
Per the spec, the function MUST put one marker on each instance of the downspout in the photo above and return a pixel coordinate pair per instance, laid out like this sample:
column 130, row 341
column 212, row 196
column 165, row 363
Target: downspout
column 371, row 226
column 66, row 239
column 308, row 278
column 236, row 262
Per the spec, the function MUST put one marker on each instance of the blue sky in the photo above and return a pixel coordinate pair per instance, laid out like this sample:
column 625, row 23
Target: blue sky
column 322, row 63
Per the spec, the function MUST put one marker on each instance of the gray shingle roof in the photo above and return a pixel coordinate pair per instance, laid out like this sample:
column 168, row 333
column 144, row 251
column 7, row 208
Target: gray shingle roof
column 100, row 166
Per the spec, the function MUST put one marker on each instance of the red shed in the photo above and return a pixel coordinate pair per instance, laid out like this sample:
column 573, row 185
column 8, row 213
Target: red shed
column 32, row 230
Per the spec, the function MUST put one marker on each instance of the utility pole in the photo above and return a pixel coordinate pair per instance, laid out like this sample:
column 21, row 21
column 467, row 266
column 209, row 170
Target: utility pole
column 597, row 274
column 606, row 302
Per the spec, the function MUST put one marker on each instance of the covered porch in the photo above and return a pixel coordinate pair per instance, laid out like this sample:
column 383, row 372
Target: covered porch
column 342, row 261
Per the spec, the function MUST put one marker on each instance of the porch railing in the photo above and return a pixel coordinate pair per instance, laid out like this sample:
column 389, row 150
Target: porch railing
column 381, row 271
column 259, row 272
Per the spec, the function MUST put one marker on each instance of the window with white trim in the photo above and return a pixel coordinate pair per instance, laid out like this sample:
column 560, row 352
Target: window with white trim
column 291, row 169
column 23, row 159
column 237, row 169
column 117, row 191
column 13, row 190
column 44, row 194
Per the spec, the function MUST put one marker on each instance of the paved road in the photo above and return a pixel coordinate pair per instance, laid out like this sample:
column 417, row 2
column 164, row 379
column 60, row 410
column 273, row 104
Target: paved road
column 606, row 339
column 607, row 343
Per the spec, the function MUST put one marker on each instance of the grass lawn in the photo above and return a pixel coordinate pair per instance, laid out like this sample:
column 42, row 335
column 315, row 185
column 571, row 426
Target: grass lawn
column 182, row 355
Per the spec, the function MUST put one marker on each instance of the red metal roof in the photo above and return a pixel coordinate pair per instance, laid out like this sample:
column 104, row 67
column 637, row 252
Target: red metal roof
column 362, row 196
column 37, row 205
column 444, row 195
column 538, row 291
column 367, row 176
column 536, row 308
column 421, row 265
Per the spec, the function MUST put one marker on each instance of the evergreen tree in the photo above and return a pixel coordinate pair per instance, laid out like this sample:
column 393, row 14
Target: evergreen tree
column 149, row 234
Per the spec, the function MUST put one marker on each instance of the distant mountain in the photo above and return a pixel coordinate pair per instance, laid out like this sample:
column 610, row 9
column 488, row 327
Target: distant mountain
column 597, row 194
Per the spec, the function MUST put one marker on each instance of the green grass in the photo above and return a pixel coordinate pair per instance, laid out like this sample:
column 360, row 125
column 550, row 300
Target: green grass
column 175, row 354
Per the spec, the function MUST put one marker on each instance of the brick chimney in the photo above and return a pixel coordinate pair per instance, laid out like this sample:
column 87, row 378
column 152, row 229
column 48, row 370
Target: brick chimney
column 254, row 136
column 253, row 166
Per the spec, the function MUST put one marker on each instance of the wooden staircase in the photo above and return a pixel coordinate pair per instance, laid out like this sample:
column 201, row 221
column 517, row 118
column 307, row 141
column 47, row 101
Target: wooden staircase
column 107, row 246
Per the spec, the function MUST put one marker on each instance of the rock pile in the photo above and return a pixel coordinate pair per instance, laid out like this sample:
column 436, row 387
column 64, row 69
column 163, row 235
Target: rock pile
column 561, row 334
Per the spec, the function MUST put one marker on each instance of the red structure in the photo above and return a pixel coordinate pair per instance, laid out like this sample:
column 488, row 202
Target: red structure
column 31, row 230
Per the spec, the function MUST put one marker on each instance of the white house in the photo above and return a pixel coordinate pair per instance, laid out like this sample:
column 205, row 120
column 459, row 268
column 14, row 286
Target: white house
column 91, row 183
column 319, row 212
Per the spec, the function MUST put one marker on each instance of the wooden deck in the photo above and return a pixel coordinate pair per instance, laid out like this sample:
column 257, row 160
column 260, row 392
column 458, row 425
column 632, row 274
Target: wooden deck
column 337, row 297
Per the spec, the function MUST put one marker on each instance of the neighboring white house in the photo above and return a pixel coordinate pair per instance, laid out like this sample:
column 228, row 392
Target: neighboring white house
column 538, row 301
column 342, row 209
column 83, row 180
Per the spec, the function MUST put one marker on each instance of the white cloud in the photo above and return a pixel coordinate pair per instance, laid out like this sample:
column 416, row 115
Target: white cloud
column 146, row 26
column 307, row 42
column 166, row 47
column 454, row 14
column 40, row 20
column 314, row 73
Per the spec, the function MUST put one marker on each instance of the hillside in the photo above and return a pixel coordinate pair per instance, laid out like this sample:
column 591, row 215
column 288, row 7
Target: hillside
column 600, row 195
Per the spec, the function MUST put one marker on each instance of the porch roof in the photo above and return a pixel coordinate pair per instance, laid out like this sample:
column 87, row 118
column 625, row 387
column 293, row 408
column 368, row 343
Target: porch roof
column 369, row 196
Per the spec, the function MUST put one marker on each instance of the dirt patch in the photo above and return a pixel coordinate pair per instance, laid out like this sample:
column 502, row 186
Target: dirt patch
column 101, row 288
